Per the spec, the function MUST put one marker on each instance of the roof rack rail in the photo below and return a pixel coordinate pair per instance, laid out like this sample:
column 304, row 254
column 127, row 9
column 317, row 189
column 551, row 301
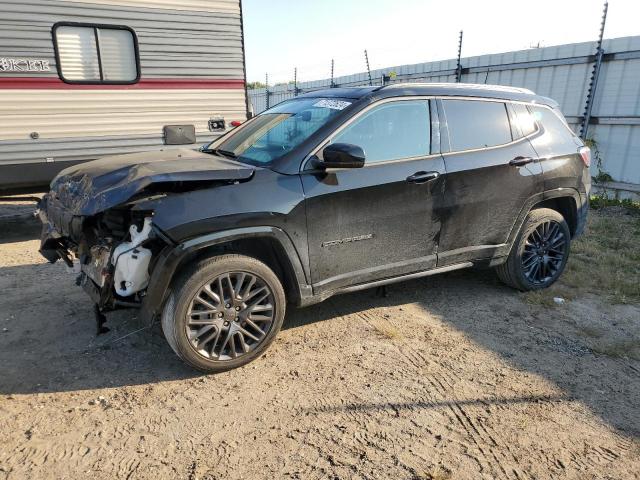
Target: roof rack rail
column 478, row 86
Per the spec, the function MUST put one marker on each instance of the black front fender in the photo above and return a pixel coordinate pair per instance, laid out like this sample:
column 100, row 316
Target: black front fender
column 171, row 257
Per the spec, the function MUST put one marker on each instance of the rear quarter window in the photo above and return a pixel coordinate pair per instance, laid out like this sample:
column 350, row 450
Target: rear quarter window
column 552, row 123
column 523, row 119
column 476, row 124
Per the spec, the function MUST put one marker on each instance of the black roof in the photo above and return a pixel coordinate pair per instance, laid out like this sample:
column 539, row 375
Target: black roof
column 345, row 92
column 436, row 89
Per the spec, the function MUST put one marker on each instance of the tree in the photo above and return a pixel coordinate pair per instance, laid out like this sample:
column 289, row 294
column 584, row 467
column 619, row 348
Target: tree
column 254, row 85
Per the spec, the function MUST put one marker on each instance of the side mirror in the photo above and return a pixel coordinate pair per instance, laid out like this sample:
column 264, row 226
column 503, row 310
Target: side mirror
column 342, row 155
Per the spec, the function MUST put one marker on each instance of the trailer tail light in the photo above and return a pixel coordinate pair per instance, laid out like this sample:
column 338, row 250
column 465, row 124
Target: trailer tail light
column 585, row 153
column 236, row 123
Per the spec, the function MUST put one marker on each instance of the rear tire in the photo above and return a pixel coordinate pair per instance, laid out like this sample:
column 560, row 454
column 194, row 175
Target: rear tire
column 223, row 312
column 540, row 252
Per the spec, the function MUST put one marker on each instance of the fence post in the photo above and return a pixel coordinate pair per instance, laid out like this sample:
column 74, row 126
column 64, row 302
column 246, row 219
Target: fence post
column 333, row 85
column 593, row 83
column 366, row 57
column 266, row 89
column 459, row 66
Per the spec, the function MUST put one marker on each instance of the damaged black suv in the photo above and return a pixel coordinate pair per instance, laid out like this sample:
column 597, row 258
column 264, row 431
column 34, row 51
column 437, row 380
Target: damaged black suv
column 331, row 192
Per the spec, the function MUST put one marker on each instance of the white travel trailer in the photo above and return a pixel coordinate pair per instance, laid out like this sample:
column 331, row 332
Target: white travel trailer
column 81, row 79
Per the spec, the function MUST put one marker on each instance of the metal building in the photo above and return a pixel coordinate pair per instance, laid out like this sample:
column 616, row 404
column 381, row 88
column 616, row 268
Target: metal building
column 80, row 79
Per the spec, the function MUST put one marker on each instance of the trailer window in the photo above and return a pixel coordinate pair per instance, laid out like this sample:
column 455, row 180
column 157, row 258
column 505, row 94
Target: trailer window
column 96, row 54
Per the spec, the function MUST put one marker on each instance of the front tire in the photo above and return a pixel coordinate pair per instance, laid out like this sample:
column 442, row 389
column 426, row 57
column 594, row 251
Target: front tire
column 223, row 312
column 539, row 253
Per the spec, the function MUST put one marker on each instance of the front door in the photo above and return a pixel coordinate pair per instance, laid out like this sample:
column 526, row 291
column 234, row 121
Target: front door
column 381, row 220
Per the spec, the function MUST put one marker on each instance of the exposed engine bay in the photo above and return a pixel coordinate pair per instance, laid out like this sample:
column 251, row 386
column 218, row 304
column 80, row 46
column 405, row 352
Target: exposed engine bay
column 113, row 252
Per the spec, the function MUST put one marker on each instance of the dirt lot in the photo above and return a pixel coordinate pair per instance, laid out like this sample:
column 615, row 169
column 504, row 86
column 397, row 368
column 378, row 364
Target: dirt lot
column 454, row 376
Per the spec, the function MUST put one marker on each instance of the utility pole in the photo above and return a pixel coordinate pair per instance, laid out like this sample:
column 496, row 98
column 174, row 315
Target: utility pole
column 593, row 83
column 266, row 88
column 366, row 58
column 295, row 82
column 459, row 66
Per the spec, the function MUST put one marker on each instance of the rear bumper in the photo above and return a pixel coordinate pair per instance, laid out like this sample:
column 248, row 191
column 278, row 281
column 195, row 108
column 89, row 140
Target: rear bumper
column 582, row 215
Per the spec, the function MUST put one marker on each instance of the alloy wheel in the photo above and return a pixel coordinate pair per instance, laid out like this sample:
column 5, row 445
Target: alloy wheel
column 230, row 316
column 544, row 252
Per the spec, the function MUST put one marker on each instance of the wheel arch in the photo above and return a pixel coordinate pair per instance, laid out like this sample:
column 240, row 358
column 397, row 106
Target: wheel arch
column 270, row 245
column 566, row 206
column 542, row 267
column 562, row 200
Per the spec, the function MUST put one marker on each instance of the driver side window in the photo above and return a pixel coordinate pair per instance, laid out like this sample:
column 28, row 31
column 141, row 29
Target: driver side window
column 392, row 131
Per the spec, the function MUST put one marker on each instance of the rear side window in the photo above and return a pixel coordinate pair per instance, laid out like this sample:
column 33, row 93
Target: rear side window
column 476, row 124
column 92, row 54
column 523, row 119
column 552, row 123
column 391, row 131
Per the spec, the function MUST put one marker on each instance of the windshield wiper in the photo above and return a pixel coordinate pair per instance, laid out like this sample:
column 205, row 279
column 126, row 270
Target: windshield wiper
column 224, row 153
column 217, row 151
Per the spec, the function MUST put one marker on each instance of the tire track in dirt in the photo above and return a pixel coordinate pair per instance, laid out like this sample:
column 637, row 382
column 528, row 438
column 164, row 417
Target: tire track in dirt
column 43, row 453
column 126, row 467
column 368, row 438
column 419, row 362
column 443, row 381
column 496, row 456
column 487, row 457
column 369, row 424
column 630, row 370
column 487, row 434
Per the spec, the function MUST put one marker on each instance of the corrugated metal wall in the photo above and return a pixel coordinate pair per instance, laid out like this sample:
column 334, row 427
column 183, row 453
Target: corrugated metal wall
column 192, row 40
column 560, row 72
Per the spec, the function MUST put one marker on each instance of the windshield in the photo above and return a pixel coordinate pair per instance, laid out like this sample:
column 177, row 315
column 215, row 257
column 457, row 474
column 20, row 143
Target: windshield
column 276, row 132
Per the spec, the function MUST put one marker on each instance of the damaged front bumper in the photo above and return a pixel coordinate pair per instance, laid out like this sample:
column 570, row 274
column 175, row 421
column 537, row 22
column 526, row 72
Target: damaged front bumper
column 114, row 272
column 59, row 226
column 61, row 237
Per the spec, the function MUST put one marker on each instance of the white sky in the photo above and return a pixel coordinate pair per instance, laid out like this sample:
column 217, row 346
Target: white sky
column 283, row 34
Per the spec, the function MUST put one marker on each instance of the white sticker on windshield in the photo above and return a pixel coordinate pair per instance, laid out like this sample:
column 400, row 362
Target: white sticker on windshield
column 334, row 104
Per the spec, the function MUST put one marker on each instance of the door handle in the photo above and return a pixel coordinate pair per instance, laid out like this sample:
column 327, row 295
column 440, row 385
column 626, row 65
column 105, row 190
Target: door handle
column 520, row 161
column 422, row 177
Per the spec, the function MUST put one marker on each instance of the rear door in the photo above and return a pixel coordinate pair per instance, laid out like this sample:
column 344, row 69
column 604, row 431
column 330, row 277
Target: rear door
column 492, row 170
column 380, row 220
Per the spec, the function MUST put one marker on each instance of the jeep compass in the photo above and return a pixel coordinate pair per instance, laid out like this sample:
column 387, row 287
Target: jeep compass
column 330, row 192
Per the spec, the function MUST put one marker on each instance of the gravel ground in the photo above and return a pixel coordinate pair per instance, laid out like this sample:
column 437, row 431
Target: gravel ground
column 453, row 376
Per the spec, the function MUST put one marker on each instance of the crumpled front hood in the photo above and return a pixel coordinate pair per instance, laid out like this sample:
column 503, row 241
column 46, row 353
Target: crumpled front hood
column 92, row 187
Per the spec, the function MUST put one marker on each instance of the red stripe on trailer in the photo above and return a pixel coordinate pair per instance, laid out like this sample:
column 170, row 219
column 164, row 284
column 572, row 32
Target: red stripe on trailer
column 51, row 83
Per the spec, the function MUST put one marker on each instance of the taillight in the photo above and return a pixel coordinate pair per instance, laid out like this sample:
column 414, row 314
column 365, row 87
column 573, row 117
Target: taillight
column 585, row 153
column 236, row 123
